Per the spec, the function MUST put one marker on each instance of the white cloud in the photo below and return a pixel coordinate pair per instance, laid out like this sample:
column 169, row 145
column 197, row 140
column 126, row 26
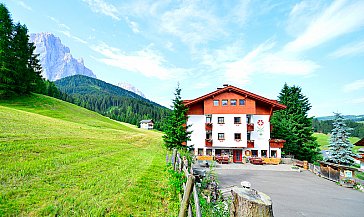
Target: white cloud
column 100, row 6
column 301, row 15
column 356, row 85
column 146, row 62
column 62, row 25
column 192, row 24
column 350, row 49
column 133, row 25
column 68, row 34
column 24, row 5
column 338, row 19
column 357, row 101
column 239, row 13
column 264, row 60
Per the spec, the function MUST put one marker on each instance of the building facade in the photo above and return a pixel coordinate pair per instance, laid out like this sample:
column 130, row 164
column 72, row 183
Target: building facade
column 231, row 121
column 147, row 124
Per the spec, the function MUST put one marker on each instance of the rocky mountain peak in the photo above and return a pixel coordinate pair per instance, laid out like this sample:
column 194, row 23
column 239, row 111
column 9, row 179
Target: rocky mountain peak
column 56, row 59
column 130, row 87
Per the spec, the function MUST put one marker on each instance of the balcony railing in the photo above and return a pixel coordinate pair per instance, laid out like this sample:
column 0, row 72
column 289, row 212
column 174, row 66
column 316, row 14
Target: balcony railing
column 250, row 143
column 208, row 126
column 208, row 142
column 276, row 143
column 250, row 127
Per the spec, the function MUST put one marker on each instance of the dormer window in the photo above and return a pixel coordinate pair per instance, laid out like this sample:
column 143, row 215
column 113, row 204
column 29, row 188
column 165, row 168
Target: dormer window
column 224, row 102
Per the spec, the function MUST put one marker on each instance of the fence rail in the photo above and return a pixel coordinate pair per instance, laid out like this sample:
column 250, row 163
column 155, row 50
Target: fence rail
column 189, row 188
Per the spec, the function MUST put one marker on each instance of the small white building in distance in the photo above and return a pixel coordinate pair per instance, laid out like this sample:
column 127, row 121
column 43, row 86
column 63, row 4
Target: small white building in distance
column 146, row 124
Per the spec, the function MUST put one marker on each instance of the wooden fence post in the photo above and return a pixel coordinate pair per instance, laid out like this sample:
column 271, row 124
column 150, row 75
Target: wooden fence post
column 174, row 158
column 197, row 202
column 186, row 196
column 250, row 203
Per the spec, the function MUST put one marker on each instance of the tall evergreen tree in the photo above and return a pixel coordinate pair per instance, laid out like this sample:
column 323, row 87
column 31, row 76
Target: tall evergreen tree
column 6, row 29
column 341, row 150
column 176, row 129
column 294, row 125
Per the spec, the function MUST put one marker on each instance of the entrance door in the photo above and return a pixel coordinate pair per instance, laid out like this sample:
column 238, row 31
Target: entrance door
column 237, row 156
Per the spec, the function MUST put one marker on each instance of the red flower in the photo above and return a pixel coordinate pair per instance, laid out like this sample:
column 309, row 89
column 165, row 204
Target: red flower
column 260, row 122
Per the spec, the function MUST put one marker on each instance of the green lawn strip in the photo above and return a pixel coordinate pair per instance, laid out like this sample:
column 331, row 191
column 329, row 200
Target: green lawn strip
column 51, row 166
column 323, row 140
column 50, row 107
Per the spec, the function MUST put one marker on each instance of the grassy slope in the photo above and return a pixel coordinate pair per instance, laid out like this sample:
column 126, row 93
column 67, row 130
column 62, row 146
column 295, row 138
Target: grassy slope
column 323, row 140
column 58, row 158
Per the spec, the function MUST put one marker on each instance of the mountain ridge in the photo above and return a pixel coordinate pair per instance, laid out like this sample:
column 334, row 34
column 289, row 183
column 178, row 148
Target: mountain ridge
column 110, row 100
column 56, row 58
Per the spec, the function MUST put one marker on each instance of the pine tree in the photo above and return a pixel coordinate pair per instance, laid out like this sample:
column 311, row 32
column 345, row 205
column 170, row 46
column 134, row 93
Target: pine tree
column 6, row 28
column 294, row 125
column 176, row 129
column 341, row 150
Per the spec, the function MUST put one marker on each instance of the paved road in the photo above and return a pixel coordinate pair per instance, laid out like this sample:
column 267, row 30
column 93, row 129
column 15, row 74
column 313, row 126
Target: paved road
column 296, row 193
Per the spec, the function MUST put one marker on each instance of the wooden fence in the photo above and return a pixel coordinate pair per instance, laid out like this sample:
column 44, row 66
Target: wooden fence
column 181, row 166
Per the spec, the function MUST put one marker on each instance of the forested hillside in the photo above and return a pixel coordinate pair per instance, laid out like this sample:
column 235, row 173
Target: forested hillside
column 325, row 126
column 110, row 100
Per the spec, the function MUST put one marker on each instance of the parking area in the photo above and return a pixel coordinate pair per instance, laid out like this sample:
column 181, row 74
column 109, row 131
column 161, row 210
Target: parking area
column 295, row 193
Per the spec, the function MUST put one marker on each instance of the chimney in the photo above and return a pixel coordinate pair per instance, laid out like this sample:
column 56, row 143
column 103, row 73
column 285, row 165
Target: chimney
column 225, row 85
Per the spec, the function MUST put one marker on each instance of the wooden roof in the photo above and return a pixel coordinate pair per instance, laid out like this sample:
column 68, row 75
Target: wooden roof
column 360, row 142
column 245, row 93
column 147, row 121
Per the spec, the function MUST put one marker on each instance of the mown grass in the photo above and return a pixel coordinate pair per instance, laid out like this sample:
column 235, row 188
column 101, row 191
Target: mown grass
column 59, row 159
column 323, row 141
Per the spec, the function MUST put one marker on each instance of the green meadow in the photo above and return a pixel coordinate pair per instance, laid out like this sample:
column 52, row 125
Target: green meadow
column 323, row 140
column 60, row 159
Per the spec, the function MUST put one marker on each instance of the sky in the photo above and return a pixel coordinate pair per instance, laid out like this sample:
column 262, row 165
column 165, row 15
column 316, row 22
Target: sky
column 254, row 45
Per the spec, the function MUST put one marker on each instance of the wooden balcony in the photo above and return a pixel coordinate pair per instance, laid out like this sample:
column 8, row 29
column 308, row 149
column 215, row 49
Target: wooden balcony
column 208, row 126
column 250, row 127
column 250, row 143
column 208, row 142
column 276, row 143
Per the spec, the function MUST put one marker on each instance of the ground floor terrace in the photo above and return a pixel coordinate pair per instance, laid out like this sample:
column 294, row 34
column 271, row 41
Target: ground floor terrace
column 237, row 155
column 294, row 193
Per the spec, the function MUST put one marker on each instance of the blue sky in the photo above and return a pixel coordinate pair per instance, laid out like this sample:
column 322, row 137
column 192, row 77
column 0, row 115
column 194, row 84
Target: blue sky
column 254, row 45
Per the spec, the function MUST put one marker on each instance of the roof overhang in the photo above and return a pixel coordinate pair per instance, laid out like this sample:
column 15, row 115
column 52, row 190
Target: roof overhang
column 275, row 105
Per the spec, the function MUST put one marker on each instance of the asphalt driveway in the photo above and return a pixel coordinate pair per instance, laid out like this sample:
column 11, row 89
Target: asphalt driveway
column 295, row 193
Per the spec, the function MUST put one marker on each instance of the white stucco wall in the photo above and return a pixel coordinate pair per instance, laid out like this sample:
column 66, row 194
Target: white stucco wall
column 229, row 129
column 198, row 135
column 260, row 135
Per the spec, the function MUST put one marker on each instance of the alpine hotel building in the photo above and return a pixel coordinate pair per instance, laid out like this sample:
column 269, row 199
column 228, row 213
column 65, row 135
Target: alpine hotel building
column 231, row 121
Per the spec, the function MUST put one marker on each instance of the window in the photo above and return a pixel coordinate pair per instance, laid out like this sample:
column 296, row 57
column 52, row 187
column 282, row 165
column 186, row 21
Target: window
column 224, row 102
column 237, row 120
column 208, row 119
column 241, row 101
column 221, row 136
column 248, row 136
column 217, row 152
column 200, row 151
column 233, row 102
column 216, row 102
column 237, row 136
column 208, row 135
column 208, row 152
column 273, row 153
column 254, row 153
column 248, row 119
column 220, row 120
column 263, row 153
